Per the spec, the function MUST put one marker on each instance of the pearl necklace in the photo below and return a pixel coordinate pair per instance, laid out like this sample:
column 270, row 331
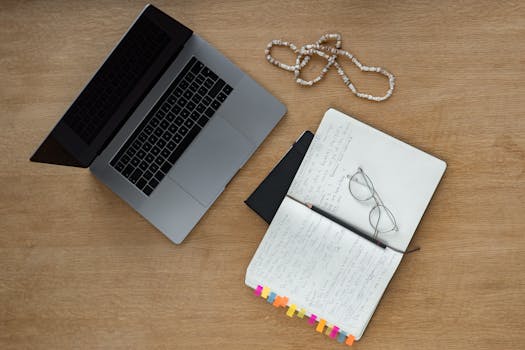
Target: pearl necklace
column 330, row 53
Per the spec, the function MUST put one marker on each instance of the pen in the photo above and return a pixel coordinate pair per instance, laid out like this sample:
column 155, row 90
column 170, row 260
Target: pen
column 340, row 222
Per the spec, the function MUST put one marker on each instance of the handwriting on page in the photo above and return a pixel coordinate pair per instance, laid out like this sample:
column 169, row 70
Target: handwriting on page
column 322, row 267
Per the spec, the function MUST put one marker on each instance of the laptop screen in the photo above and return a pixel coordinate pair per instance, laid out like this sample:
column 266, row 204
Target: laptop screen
column 113, row 82
column 117, row 88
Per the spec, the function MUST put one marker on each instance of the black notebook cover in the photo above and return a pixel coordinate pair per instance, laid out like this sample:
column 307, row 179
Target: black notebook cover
column 267, row 197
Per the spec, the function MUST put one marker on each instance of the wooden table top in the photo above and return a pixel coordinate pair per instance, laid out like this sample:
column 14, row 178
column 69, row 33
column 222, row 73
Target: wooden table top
column 80, row 269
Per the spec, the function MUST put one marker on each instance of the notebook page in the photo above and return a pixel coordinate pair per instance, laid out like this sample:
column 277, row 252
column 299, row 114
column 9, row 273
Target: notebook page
column 404, row 176
column 322, row 267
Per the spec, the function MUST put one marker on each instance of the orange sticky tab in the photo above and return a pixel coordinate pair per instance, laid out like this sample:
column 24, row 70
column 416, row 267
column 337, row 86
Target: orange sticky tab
column 265, row 292
column 277, row 301
column 284, row 301
column 291, row 310
column 301, row 313
column 328, row 330
column 350, row 340
column 320, row 325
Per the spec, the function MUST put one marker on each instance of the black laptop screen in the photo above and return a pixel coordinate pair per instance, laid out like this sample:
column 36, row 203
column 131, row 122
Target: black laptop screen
column 118, row 75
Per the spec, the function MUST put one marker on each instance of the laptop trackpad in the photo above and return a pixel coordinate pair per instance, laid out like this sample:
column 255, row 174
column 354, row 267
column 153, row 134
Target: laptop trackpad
column 211, row 160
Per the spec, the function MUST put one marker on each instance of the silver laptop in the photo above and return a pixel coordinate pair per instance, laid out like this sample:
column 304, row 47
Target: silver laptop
column 165, row 122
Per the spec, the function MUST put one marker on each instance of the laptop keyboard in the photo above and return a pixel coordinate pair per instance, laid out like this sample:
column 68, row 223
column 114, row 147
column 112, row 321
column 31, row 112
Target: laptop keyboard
column 172, row 124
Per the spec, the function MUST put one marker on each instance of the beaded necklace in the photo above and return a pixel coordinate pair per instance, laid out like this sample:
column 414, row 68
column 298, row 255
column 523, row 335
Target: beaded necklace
column 330, row 53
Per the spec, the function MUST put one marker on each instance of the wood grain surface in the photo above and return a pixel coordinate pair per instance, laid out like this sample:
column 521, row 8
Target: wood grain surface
column 79, row 269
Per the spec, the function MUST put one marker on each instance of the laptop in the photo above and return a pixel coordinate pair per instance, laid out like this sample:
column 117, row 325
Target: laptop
column 165, row 123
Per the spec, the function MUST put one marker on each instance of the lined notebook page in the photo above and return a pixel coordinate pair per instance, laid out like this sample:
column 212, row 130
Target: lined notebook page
column 322, row 267
column 404, row 176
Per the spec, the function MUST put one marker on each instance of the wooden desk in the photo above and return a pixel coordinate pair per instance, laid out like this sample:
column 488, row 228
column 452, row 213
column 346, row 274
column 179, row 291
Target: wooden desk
column 80, row 269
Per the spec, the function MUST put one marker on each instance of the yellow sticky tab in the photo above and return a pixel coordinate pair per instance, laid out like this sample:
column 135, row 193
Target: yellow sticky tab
column 265, row 292
column 328, row 330
column 291, row 310
column 320, row 325
column 301, row 313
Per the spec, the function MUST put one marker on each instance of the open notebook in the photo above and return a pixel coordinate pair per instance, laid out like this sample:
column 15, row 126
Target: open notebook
column 317, row 268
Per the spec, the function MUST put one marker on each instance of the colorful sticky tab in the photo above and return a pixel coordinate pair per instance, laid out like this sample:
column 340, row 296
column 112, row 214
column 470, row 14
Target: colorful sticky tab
column 284, row 301
column 320, row 325
column 328, row 330
column 271, row 297
column 265, row 292
column 258, row 290
column 312, row 319
column 291, row 310
column 277, row 301
column 350, row 340
column 334, row 332
column 301, row 313
column 341, row 337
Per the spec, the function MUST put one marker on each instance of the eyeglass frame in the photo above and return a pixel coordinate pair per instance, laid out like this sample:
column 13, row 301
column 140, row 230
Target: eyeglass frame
column 377, row 199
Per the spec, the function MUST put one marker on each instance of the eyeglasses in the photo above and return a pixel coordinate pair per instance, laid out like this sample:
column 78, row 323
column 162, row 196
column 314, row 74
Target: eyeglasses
column 380, row 217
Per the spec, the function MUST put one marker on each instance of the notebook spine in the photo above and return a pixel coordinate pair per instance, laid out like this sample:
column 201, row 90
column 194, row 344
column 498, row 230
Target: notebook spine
column 322, row 326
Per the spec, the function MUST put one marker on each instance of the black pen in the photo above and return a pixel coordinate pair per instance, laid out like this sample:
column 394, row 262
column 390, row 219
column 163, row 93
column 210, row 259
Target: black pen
column 340, row 222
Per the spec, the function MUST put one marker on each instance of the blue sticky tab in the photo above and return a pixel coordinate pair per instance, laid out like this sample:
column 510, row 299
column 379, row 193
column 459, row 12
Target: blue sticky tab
column 341, row 337
column 271, row 297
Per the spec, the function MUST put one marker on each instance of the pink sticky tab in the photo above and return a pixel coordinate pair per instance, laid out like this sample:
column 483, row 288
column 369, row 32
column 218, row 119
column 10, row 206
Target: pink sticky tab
column 258, row 290
column 312, row 319
column 334, row 332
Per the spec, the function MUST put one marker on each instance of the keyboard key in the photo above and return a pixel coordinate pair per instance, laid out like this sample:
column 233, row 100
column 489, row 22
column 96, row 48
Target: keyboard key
column 166, row 136
column 183, row 84
column 159, row 131
column 209, row 112
column 143, row 137
column 199, row 79
column 178, row 92
column 120, row 166
column 202, row 121
column 193, row 87
column 171, row 116
column 155, row 150
column 146, row 146
column 182, row 102
column 153, row 167
column 171, row 145
column 179, row 121
column 197, row 67
column 135, row 161
column 196, row 99
column 188, row 123
column 172, row 99
column 164, row 124
column 206, row 100
column 136, row 175
column 165, row 107
column 200, row 108
column 209, row 73
column 141, row 154
column 148, row 129
column 189, row 76
column 202, row 90
column 161, row 143
column 166, row 167
column 208, row 83
column 185, row 113
column 153, row 182
column 173, row 128
column 147, row 190
column 216, row 88
column 154, row 122
column 136, row 144
column 222, row 96
column 227, row 89
column 215, row 105
column 153, row 139
column 165, row 153
column 128, row 170
column 183, row 130
column 160, row 114
column 190, row 105
column 147, row 175
column 177, row 138
column 194, row 115
column 159, row 160
column 176, row 109
column 143, row 165
column 187, row 94
column 131, row 152
column 141, row 183
column 159, row 175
